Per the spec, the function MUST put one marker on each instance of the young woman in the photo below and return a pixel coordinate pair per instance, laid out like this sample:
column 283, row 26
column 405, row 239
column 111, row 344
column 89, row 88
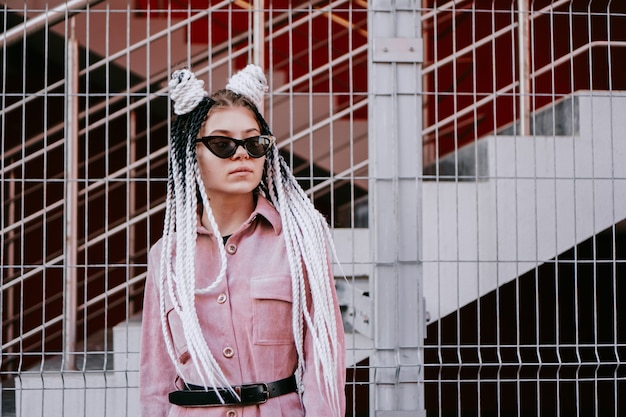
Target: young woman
column 240, row 313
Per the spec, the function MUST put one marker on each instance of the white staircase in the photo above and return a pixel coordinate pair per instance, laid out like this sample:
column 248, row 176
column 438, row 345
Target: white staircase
column 541, row 196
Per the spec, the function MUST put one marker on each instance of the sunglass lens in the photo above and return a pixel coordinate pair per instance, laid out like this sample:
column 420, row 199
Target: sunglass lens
column 258, row 146
column 222, row 147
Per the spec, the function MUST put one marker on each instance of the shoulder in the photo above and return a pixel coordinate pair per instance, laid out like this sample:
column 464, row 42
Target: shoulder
column 155, row 250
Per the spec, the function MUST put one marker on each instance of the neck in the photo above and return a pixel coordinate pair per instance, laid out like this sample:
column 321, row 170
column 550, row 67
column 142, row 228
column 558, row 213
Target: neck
column 230, row 212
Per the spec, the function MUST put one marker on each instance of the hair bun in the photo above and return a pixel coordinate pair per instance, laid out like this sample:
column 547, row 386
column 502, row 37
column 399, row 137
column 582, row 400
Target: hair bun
column 250, row 82
column 186, row 91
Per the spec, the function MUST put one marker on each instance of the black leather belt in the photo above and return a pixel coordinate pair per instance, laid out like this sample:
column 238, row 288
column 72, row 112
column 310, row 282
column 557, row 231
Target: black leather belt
column 249, row 394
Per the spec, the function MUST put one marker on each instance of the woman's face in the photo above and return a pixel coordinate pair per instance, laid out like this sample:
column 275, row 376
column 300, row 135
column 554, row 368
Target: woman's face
column 239, row 174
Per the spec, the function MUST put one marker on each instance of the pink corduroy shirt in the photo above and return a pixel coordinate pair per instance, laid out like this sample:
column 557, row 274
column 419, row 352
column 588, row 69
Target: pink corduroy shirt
column 246, row 322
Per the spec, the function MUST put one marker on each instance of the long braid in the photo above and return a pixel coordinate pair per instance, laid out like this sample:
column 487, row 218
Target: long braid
column 166, row 268
column 277, row 196
column 181, row 213
column 307, row 239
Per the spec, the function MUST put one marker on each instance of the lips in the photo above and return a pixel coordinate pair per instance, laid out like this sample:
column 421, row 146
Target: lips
column 240, row 170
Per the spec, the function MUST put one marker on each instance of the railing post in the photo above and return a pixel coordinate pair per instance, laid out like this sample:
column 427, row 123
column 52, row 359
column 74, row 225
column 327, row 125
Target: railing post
column 71, row 199
column 258, row 36
column 132, row 201
column 10, row 263
column 258, row 33
column 523, row 53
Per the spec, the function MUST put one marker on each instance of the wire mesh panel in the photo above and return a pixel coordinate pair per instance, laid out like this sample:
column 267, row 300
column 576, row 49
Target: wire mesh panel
column 85, row 119
column 524, row 188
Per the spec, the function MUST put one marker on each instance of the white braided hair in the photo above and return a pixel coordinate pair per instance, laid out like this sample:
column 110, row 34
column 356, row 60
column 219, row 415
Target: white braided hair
column 307, row 238
column 186, row 91
column 250, row 82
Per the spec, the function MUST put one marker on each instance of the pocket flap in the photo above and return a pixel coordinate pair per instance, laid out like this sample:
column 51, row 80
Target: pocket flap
column 273, row 287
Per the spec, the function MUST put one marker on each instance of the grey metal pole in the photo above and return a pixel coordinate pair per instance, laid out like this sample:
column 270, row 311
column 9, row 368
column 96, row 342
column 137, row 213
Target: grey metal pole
column 10, row 264
column 132, row 199
column 71, row 198
column 258, row 37
column 258, row 33
column 395, row 201
column 523, row 54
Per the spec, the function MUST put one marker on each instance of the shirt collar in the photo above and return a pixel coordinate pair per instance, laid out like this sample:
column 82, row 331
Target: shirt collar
column 263, row 208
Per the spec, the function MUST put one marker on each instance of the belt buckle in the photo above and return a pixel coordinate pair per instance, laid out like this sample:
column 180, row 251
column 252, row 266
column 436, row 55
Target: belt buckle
column 253, row 394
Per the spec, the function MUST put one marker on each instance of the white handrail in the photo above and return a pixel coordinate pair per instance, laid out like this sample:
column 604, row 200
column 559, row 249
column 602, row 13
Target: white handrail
column 52, row 16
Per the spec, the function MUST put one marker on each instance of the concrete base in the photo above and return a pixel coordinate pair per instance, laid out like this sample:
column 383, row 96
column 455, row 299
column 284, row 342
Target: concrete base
column 67, row 394
column 110, row 391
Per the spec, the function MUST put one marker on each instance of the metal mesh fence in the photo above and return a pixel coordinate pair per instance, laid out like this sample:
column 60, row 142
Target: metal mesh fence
column 468, row 155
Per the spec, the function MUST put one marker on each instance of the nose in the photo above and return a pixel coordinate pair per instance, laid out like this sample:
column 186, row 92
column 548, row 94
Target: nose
column 240, row 152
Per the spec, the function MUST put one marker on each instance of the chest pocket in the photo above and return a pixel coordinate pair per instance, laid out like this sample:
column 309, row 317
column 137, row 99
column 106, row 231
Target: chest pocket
column 271, row 310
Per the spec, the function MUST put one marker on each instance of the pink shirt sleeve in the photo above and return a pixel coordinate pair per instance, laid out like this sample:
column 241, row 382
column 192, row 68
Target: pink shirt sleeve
column 314, row 401
column 157, row 376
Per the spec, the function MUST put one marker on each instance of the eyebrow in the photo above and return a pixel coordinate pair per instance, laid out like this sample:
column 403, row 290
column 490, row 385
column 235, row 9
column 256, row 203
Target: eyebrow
column 227, row 132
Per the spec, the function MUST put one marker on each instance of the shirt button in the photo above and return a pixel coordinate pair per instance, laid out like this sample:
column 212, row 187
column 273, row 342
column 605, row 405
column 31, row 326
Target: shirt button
column 231, row 413
column 232, row 249
column 228, row 352
column 221, row 298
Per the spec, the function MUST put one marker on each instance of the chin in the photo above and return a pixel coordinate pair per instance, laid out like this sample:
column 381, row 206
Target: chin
column 241, row 190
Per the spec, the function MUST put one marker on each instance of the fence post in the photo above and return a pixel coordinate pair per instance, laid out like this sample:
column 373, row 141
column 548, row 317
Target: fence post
column 395, row 192
column 71, row 199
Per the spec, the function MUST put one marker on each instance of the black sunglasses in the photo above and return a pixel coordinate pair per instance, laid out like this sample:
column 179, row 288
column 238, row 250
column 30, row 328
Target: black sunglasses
column 225, row 147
